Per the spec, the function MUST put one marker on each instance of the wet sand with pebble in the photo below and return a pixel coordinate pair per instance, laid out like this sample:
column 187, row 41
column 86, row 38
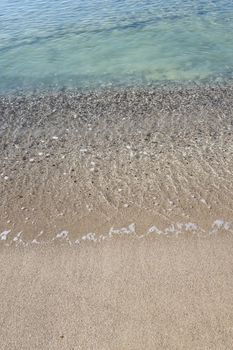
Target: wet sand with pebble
column 86, row 162
column 116, row 218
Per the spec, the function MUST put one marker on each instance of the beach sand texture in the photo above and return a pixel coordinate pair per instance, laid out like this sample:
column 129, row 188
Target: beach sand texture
column 165, row 293
column 116, row 219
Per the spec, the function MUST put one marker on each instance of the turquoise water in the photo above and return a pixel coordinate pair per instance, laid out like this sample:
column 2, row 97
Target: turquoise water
column 93, row 42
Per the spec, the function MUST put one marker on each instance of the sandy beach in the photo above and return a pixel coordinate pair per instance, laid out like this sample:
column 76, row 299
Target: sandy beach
column 161, row 293
column 116, row 219
column 116, row 175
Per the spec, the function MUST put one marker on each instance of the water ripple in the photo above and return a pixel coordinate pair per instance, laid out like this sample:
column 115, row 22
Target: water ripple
column 44, row 42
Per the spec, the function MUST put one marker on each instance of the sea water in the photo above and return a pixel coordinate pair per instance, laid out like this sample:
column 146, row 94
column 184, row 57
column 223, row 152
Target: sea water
column 77, row 43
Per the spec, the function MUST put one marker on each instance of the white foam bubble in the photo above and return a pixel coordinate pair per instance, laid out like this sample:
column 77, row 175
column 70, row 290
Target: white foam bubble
column 175, row 228
column 35, row 241
column 172, row 230
column 122, row 231
column 17, row 237
column 18, row 240
column 154, row 229
column 4, row 234
column 90, row 237
column 221, row 224
column 190, row 226
column 62, row 234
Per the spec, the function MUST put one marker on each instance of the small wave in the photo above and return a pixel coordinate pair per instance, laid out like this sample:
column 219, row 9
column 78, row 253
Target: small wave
column 63, row 236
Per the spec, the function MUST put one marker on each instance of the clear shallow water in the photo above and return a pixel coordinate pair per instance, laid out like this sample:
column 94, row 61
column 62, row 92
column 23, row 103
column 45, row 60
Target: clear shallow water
column 92, row 42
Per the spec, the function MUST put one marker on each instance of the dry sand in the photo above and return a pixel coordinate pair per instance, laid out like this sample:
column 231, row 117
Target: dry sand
column 164, row 293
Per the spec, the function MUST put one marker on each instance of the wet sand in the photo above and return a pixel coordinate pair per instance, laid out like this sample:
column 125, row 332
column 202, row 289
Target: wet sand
column 86, row 162
column 164, row 293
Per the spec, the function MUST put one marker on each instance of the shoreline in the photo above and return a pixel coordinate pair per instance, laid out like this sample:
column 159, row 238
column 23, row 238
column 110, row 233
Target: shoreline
column 86, row 162
column 188, row 230
column 116, row 220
